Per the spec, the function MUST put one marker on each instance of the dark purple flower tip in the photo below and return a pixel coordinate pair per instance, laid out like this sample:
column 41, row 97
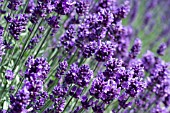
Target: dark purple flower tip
column 86, row 103
column 161, row 49
column 8, row 18
column 64, row 7
column 8, row 45
column 53, row 21
column 35, row 40
column 148, row 60
column 9, row 75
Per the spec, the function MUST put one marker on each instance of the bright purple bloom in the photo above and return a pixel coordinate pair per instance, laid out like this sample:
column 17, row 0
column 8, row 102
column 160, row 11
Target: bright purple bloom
column 106, row 50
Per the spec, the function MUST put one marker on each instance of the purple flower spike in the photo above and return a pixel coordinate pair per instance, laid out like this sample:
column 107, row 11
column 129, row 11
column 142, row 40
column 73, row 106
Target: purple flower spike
column 18, row 25
column 161, row 49
column 136, row 48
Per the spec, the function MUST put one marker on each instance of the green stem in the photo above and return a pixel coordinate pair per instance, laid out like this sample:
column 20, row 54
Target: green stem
column 27, row 2
column 53, row 69
column 72, row 58
column 42, row 43
column 19, row 85
column 52, row 86
column 67, row 104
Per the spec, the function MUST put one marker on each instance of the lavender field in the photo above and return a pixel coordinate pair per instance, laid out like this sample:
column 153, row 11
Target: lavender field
column 84, row 56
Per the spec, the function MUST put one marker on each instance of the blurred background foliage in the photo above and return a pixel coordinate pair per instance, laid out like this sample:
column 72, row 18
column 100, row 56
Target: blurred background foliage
column 150, row 22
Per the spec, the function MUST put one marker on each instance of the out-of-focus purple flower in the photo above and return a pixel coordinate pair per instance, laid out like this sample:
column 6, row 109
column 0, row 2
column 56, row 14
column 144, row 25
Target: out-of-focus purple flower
column 158, row 75
column 136, row 86
column 161, row 49
column 113, row 67
column 42, row 9
column 40, row 101
column 14, row 4
column 166, row 101
column 147, row 18
column 81, row 7
column 57, row 106
column 96, row 88
column 105, row 90
column 9, row 75
column 8, row 18
column 8, row 45
column 109, row 91
column 123, row 11
column 41, row 29
column 148, row 60
column 77, row 109
column 1, row 30
column 134, row 10
column 79, row 75
column 137, row 83
column 34, row 41
column 159, row 109
column 136, row 48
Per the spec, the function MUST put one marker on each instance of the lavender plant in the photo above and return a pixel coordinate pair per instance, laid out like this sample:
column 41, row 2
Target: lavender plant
column 60, row 56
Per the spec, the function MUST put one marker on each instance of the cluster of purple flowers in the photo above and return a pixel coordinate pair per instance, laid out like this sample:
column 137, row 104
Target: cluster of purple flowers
column 90, row 61
column 79, row 75
column 18, row 25
column 37, row 70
